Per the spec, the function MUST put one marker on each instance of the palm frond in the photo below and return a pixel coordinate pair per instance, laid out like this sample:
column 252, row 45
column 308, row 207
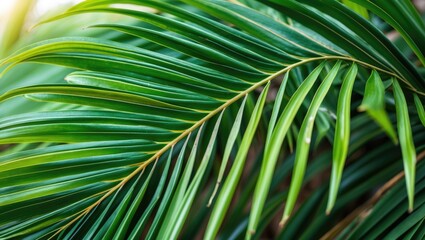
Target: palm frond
column 132, row 109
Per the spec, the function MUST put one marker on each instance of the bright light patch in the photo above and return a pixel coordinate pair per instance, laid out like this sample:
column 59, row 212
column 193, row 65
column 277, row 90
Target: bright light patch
column 5, row 7
column 44, row 6
column 40, row 8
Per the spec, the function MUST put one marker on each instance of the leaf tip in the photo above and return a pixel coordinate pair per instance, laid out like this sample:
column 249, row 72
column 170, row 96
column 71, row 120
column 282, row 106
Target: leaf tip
column 31, row 28
column 395, row 140
column 330, row 206
column 284, row 220
column 411, row 205
column 361, row 108
column 328, row 212
column 38, row 25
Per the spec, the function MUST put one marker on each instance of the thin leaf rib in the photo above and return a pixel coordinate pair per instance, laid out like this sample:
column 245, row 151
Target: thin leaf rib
column 374, row 103
column 420, row 109
column 304, row 140
column 342, row 134
column 406, row 141
column 229, row 146
column 190, row 195
column 272, row 150
column 229, row 186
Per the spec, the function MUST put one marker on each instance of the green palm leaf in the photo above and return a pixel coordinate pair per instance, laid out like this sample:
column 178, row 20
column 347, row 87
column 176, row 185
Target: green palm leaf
column 130, row 109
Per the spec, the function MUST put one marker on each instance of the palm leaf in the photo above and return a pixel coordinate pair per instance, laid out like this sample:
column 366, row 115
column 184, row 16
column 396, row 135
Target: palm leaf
column 132, row 105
